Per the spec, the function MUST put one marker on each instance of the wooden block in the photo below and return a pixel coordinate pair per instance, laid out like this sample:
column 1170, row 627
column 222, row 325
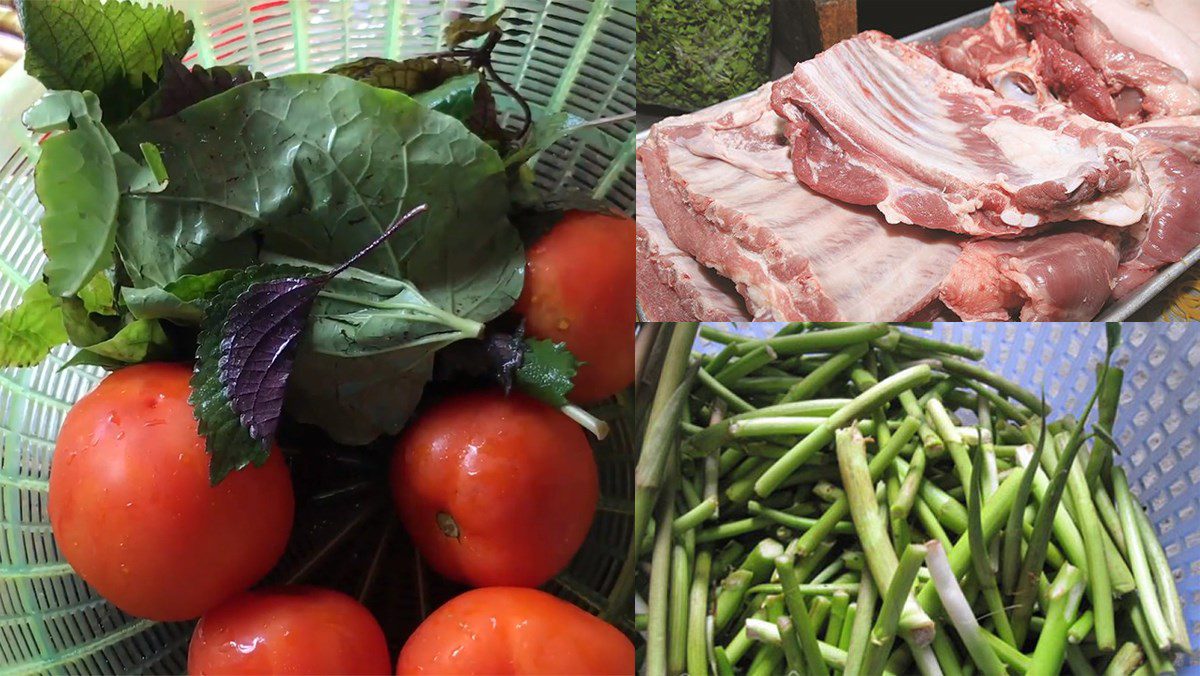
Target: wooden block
column 802, row 28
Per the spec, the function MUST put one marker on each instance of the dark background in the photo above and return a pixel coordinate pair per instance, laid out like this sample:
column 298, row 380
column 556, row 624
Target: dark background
column 903, row 17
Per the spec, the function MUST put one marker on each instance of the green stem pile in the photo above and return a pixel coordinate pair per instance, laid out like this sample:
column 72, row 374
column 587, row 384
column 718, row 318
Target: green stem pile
column 858, row 499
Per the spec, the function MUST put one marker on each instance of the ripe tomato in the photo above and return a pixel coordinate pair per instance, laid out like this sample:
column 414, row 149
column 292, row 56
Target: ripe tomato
column 289, row 630
column 579, row 289
column 495, row 489
column 513, row 630
column 132, row 509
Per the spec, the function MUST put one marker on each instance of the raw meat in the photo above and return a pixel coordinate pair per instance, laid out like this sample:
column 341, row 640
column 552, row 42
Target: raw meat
column 873, row 121
column 671, row 285
column 1168, row 30
column 1066, row 275
column 1171, row 228
column 715, row 181
column 995, row 55
column 1181, row 133
column 1083, row 63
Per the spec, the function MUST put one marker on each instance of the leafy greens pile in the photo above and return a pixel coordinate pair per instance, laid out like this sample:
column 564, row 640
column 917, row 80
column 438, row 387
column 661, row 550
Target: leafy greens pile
column 187, row 208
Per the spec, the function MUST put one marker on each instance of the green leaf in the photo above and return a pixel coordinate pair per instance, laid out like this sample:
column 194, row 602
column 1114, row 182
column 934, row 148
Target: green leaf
column 79, row 179
column 318, row 197
column 97, row 295
column 82, row 329
column 1112, row 334
column 29, row 331
column 454, row 97
column 468, row 28
column 446, row 85
column 361, row 369
column 139, row 341
column 181, row 301
column 411, row 76
column 545, row 132
column 353, row 318
column 356, row 400
column 547, row 371
column 113, row 48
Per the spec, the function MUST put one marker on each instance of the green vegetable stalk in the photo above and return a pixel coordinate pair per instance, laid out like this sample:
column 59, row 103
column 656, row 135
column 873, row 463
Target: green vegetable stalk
column 806, row 510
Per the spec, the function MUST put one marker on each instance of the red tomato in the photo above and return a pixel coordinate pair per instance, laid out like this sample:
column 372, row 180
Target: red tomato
column 494, row 489
column 513, row 630
column 289, row 630
column 133, row 511
column 579, row 289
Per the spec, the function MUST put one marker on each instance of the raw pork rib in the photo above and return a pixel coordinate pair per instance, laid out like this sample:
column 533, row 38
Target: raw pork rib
column 995, row 55
column 722, row 186
column 671, row 285
column 874, row 121
column 1065, row 275
column 1084, row 64
column 1171, row 228
column 1168, row 30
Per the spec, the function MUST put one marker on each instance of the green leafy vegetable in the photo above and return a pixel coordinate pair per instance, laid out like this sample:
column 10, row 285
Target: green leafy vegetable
column 468, row 28
column 356, row 400
column 180, row 86
column 253, row 325
column 29, row 331
column 114, row 48
column 83, row 330
column 140, row 340
column 98, row 296
column 41, row 322
column 79, row 179
column 448, row 86
column 333, row 162
column 688, row 59
column 180, row 301
column 411, row 76
column 547, row 370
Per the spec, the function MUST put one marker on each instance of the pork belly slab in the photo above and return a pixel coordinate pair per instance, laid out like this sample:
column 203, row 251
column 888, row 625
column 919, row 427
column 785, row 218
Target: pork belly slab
column 671, row 285
column 1064, row 275
column 723, row 188
column 1082, row 62
column 872, row 121
column 1171, row 228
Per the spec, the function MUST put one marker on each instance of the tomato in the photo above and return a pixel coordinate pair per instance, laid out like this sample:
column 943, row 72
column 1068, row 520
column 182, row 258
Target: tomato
column 289, row 630
column 579, row 289
column 132, row 509
column 495, row 489
column 513, row 630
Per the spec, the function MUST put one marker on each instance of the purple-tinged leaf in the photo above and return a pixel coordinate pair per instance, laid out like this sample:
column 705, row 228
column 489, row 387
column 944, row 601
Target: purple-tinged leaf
column 257, row 350
column 245, row 354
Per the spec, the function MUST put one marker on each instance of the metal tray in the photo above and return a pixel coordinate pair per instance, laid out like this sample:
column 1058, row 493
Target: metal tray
column 1118, row 311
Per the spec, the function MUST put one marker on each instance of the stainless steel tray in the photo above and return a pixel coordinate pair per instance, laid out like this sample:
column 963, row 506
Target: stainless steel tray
column 1117, row 311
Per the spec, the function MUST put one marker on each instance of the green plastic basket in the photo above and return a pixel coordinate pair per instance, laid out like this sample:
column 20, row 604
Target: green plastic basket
column 567, row 55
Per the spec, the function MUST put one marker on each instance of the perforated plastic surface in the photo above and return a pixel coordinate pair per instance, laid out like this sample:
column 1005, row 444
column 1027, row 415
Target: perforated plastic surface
column 572, row 55
column 1158, row 422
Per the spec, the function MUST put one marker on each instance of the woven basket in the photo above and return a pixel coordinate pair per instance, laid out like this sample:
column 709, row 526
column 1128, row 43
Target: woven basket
column 572, row 55
column 1158, row 422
